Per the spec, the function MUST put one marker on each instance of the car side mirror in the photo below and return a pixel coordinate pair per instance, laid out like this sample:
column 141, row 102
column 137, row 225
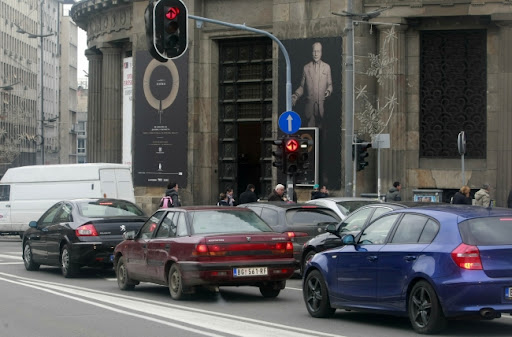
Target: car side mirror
column 331, row 228
column 349, row 240
column 129, row 235
column 32, row 224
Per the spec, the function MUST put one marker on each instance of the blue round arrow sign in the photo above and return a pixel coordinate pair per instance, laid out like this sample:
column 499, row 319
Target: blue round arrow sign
column 289, row 122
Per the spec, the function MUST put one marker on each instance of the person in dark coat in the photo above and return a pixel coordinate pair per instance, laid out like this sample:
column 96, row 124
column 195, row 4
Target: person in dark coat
column 394, row 192
column 509, row 200
column 223, row 200
column 462, row 196
column 277, row 193
column 249, row 195
column 172, row 191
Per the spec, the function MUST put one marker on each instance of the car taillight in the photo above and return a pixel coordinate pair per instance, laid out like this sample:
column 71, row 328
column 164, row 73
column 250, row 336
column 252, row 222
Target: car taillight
column 293, row 235
column 86, row 230
column 467, row 257
column 201, row 250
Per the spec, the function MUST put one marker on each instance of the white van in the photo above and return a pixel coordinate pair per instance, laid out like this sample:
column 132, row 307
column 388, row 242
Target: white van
column 27, row 192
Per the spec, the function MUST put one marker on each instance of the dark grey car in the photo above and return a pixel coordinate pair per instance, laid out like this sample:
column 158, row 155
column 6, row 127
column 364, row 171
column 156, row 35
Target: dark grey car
column 301, row 221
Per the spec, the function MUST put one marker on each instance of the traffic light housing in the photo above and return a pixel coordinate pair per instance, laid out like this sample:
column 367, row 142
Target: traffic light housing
column 304, row 154
column 291, row 153
column 151, row 36
column 278, row 155
column 362, row 153
column 169, row 29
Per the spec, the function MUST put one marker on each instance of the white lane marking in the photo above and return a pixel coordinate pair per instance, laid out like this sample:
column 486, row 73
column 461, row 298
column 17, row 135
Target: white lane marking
column 225, row 323
column 121, row 311
column 291, row 288
column 2, row 263
column 11, row 257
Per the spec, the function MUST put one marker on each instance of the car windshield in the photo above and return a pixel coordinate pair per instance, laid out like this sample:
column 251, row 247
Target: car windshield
column 347, row 207
column 229, row 221
column 489, row 231
column 108, row 208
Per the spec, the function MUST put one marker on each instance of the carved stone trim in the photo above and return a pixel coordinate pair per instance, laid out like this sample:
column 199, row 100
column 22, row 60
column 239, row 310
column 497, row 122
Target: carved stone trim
column 114, row 20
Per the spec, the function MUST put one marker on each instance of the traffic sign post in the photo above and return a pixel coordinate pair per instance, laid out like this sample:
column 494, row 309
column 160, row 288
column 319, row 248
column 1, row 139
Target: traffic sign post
column 461, row 144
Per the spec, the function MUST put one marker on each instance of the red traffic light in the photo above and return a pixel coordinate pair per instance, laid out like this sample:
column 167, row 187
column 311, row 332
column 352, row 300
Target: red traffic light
column 172, row 13
column 292, row 145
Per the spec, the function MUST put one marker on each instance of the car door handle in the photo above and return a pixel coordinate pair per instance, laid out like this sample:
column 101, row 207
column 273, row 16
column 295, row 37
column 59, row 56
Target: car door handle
column 409, row 258
column 372, row 258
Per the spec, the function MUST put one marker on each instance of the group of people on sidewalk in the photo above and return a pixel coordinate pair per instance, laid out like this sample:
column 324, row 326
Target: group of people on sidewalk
column 482, row 196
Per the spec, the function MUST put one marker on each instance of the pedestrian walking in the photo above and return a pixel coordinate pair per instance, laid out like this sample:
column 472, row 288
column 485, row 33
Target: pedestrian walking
column 462, row 196
column 223, row 200
column 277, row 193
column 171, row 197
column 229, row 194
column 248, row 196
column 483, row 197
column 394, row 192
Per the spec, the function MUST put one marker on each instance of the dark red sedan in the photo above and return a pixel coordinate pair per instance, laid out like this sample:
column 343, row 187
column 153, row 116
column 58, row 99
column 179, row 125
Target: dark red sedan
column 189, row 247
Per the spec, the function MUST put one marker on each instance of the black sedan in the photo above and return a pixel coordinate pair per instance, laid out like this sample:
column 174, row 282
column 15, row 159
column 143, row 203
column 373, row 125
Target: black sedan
column 353, row 224
column 82, row 232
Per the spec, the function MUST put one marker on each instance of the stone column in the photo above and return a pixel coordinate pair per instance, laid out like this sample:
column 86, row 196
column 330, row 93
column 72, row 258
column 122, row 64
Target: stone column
column 393, row 88
column 504, row 109
column 94, row 106
column 111, row 118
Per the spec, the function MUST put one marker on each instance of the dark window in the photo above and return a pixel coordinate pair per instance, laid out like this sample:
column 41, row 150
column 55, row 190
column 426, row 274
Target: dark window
column 65, row 214
column 167, row 227
column 310, row 216
column 409, row 229
column 377, row 232
column 453, row 85
column 356, row 220
column 48, row 217
column 181, row 230
column 5, row 192
column 379, row 211
column 146, row 232
column 490, row 231
column 270, row 216
column 429, row 232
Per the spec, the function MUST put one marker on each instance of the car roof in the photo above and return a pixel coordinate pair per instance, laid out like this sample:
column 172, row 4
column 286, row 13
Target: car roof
column 285, row 205
column 209, row 208
column 340, row 199
column 461, row 211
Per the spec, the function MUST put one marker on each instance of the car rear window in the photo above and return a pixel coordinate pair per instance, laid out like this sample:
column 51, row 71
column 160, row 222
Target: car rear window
column 311, row 216
column 110, row 208
column 489, row 231
column 232, row 221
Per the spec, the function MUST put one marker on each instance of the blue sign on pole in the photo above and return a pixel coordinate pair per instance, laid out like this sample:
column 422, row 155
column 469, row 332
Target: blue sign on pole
column 289, row 122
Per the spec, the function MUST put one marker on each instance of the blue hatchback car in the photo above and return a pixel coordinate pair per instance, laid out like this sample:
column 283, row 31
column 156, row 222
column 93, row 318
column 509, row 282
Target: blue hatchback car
column 431, row 264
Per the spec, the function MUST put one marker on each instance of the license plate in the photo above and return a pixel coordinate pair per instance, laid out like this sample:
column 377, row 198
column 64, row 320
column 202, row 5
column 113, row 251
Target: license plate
column 256, row 271
column 508, row 293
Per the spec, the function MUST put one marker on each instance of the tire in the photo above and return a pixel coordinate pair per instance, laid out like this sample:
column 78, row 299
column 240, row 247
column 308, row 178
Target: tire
column 424, row 309
column 269, row 290
column 68, row 268
column 123, row 280
column 28, row 260
column 307, row 258
column 316, row 296
column 176, row 287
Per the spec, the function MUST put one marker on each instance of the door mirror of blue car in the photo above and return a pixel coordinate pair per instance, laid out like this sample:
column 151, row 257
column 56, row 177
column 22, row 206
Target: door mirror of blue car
column 349, row 240
column 32, row 224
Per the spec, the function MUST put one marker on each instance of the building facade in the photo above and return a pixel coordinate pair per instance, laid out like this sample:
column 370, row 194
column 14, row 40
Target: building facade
column 38, row 93
column 424, row 71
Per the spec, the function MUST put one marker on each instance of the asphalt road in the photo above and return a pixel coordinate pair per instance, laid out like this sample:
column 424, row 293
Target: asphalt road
column 44, row 304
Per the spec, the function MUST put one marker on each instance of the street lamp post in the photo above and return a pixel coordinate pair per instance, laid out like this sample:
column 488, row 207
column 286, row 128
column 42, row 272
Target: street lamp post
column 41, row 36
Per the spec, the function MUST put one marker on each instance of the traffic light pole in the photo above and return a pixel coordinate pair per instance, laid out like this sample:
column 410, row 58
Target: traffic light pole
column 199, row 19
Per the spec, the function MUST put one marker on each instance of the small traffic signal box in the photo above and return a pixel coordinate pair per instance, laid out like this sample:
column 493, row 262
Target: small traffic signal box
column 278, row 154
column 166, row 26
column 362, row 153
column 291, row 153
column 304, row 145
